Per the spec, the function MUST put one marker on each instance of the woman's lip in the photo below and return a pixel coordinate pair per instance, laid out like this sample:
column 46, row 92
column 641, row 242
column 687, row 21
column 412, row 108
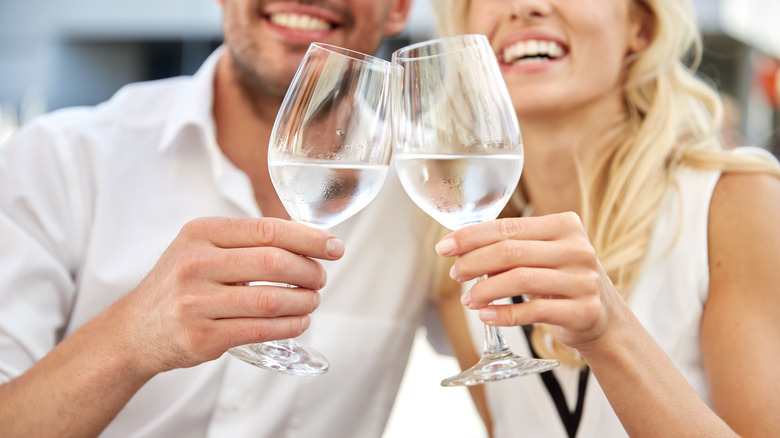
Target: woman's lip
column 535, row 67
column 528, row 36
column 529, row 68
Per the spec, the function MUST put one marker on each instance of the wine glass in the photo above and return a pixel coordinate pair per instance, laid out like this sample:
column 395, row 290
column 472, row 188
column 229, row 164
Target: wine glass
column 328, row 157
column 459, row 155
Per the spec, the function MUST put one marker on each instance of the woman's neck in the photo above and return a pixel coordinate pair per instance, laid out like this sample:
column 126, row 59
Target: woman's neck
column 557, row 147
column 549, row 173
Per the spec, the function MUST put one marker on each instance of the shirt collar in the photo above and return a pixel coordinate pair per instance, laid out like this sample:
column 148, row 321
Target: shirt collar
column 193, row 106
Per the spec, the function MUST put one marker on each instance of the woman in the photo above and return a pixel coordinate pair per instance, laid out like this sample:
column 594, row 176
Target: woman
column 647, row 253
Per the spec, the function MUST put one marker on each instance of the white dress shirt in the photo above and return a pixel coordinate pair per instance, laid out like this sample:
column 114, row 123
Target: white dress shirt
column 91, row 197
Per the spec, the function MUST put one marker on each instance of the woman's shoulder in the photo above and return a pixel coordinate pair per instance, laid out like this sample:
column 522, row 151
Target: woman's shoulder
column 744, row 174
column 742, row 192
column 741, row 198
column 744, row 220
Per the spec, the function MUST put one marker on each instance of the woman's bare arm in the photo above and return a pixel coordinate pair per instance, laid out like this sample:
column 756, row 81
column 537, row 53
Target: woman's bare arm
column 549, row 258
column 741, row 323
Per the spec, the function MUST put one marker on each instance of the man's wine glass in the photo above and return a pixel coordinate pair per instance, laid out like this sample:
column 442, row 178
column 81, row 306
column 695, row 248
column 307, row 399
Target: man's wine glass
column 328, row 157
column 459, row 155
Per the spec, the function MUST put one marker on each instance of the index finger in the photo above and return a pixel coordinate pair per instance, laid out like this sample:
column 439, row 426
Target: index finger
column 545, row 228
column 256, row 232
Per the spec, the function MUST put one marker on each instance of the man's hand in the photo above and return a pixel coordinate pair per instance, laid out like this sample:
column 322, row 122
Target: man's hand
column 197, row 302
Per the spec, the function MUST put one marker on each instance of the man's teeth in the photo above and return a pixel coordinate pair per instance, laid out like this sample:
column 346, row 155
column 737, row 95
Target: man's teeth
column 299, row 22
column 532, row 51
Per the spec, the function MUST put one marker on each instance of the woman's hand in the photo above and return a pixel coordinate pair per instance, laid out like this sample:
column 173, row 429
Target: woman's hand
column 550, row 260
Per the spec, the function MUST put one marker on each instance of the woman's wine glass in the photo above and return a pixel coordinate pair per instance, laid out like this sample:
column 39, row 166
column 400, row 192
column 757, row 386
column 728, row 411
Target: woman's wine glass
column 459, row 155
column 328, row 157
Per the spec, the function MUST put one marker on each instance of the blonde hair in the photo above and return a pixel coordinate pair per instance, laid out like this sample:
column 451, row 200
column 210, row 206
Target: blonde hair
column 672, row 118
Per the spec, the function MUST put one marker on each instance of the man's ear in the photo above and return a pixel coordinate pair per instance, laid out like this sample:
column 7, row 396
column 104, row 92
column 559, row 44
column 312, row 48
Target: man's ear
column 397, row 17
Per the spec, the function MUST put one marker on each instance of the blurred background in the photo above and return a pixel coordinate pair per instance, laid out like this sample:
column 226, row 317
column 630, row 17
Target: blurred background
column 57, row 54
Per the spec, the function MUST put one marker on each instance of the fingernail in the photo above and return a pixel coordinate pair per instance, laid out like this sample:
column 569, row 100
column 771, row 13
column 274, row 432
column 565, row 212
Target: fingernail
column 305, row 322
column 324, row 279
column 334, row 247
column 487, row 315
column 465, row 299
column 317, row 299
column 445, row 247
column 454, row 273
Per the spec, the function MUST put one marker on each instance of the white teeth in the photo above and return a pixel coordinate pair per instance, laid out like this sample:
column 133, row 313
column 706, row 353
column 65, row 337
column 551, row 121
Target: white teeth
column 532, row 51
column 299, row 22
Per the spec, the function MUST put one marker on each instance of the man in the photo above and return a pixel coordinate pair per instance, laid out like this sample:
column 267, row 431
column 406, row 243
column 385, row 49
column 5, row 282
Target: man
column 131, row 232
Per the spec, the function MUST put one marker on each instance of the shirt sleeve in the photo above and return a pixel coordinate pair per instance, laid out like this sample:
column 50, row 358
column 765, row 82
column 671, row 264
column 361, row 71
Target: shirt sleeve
column 38, row 243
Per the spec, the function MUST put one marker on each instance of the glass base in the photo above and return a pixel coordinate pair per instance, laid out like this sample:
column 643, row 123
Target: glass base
column 285, row 356
column 499, row 366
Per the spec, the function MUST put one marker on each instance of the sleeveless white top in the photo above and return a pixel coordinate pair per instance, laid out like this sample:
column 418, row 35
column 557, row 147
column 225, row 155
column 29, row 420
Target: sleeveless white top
column 668, row 299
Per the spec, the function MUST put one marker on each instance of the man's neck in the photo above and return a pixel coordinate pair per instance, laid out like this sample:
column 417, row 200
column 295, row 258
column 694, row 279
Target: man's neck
column 243, row 130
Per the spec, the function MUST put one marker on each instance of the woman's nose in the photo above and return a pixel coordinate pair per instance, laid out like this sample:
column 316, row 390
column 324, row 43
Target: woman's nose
column 529, row 10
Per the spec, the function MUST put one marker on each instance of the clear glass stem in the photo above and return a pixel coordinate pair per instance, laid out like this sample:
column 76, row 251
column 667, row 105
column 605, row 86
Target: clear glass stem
column 284, row 355
column 494, row 341
column 498, row 362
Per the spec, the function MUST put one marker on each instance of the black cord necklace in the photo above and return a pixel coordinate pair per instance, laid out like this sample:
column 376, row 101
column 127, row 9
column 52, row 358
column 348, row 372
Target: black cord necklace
column 570, row 419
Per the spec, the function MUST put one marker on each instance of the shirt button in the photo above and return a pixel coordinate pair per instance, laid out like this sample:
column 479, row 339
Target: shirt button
column 233, row 407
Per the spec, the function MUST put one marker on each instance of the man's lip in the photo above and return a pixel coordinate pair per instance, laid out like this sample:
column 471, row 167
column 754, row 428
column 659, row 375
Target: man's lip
column 301, row 36
column 294, row 8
